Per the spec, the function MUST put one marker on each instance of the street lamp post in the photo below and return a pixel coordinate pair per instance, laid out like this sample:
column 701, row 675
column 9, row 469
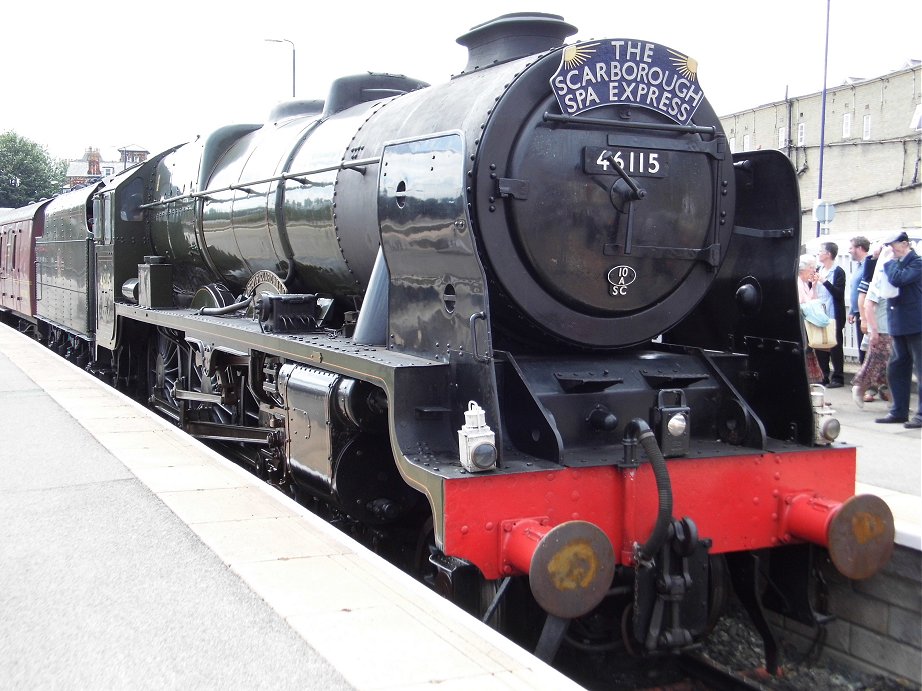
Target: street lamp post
column 291, row 43
column 819, row 187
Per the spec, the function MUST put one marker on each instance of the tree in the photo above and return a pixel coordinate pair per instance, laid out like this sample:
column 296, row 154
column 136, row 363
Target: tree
column 27, row 172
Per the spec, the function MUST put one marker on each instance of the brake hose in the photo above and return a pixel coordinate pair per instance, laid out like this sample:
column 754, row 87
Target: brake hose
column 639, row 431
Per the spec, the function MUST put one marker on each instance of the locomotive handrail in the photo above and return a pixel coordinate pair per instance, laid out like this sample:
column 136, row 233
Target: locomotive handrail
column 474, row 348
column 358, row 164
column 580, row 120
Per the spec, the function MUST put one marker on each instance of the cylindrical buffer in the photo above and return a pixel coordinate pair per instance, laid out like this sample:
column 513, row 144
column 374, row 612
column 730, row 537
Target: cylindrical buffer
column 858, row 532
column 570, row 566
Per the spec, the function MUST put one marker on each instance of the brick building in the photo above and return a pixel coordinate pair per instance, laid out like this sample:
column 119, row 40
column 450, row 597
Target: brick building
column 872, row 152
column 92, row 166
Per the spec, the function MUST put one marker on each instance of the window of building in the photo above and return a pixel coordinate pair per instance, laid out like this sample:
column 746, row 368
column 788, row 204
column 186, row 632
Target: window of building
column 846, row 126
column 801, row 134
column 782, row 137
column 747, row 142
column 732, row 143
column 866, row 130
column 108, row 171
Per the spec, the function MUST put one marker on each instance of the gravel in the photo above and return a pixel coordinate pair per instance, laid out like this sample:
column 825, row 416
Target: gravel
column 734, row 644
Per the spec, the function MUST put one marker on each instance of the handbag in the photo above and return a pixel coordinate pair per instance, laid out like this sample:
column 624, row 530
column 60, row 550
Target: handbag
column 820, row 328
column 814, row 373
column 821, row 337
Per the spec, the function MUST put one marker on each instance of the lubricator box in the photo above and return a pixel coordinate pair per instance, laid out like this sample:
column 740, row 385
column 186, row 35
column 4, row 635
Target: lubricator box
column 155, row 283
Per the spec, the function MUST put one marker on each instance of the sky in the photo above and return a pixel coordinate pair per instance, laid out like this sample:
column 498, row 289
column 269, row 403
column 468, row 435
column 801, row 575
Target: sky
column 158, row 73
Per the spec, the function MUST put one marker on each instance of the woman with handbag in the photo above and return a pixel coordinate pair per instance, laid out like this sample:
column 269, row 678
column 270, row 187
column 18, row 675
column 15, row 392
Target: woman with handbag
column 807, row 292
column 873, row 307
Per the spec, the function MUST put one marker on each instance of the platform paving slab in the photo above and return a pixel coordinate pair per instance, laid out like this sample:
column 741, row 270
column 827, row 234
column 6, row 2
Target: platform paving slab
column 142, row 559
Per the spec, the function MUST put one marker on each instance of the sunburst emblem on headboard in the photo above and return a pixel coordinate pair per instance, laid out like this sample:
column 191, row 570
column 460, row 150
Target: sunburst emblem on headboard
column 686, row 66
column 574, row 56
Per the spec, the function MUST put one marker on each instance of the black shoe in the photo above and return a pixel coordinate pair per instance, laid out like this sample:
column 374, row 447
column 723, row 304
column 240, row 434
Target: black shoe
column 915, row 423
column 890, row 419
column 835, row 385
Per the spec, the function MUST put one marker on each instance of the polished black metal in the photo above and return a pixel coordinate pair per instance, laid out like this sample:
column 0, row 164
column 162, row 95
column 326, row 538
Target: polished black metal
column 326, row 294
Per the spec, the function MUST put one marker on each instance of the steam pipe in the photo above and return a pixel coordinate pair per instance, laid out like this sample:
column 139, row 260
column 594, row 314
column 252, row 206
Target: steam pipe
column 227, row 309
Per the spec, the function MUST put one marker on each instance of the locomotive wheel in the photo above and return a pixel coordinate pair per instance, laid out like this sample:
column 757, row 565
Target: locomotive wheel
column 163, row 371
column 598, row 631
column 719, row 589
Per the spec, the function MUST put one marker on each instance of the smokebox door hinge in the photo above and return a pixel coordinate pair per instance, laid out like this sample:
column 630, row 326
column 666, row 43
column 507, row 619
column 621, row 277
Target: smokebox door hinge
column 510, row 187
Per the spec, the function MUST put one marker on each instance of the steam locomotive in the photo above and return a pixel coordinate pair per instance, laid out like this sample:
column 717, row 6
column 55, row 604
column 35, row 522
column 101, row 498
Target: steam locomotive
column 533, row 331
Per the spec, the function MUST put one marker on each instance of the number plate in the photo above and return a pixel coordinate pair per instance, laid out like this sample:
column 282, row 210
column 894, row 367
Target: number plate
column 635, row 162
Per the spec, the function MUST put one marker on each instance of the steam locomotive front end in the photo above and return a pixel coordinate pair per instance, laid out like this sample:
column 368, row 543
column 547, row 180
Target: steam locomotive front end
column 617, row 297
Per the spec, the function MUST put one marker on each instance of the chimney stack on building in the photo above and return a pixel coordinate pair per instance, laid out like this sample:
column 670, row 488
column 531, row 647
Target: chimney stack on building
column 92, row 161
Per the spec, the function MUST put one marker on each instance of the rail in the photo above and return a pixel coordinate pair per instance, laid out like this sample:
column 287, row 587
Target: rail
column 358, row 165
column 601, row 122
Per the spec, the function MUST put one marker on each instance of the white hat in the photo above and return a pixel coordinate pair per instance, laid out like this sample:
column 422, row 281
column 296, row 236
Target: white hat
column 896, row 236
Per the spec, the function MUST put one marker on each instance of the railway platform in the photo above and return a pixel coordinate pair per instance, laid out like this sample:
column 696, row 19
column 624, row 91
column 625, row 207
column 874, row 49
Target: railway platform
column 132, row 556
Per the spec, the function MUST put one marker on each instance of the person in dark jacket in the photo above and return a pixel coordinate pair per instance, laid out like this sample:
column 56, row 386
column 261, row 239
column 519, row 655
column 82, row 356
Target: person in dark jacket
column 830, row 288
column 858, row 248
column 904, row 271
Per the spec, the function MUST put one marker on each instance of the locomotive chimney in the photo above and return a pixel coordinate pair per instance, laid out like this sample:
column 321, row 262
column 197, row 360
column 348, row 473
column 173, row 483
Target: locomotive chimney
column 513, row 35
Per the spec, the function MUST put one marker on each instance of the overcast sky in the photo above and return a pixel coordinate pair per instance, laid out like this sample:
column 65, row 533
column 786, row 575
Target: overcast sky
column 157, row 73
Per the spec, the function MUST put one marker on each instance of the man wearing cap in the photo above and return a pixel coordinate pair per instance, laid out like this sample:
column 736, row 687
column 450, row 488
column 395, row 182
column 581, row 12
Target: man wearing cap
column 905, row 314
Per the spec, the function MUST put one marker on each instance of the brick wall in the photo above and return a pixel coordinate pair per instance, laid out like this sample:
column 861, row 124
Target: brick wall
column 878, row 622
